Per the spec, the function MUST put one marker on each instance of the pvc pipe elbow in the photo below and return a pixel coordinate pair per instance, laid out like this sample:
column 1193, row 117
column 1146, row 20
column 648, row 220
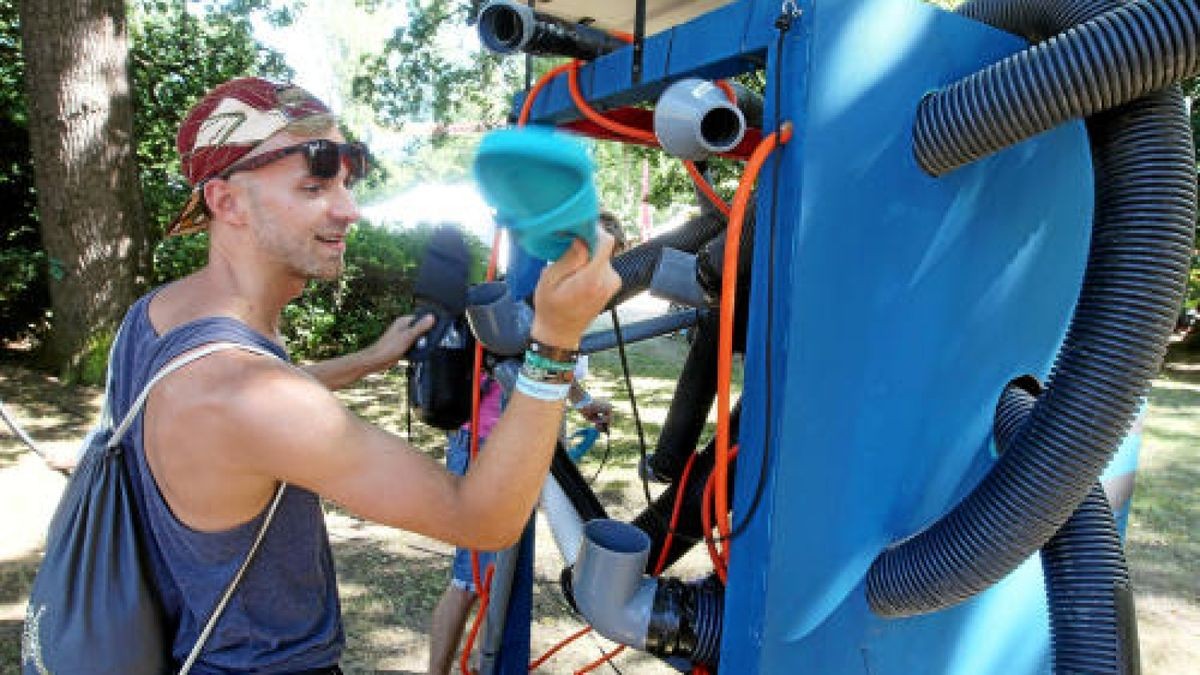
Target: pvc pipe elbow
column 609, row 587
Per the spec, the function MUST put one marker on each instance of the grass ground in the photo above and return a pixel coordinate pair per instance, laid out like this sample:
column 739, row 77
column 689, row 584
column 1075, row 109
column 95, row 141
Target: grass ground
column 390, row 580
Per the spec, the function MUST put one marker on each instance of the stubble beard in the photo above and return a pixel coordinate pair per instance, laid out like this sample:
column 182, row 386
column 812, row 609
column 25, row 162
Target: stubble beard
column 298, row 256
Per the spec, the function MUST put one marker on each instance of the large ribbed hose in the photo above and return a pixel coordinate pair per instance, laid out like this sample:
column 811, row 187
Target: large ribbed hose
column 1012, row 410
column 1136, row 274
column 1108, row 61
column 1034, row 20
column 1092, row 623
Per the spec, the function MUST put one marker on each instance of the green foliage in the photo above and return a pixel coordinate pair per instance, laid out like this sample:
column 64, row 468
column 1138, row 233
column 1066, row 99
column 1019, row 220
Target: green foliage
column 176, row 55
column 94, row 366
column 177, row 257
column 177, row 52
column 336, row 317
column 416, row 77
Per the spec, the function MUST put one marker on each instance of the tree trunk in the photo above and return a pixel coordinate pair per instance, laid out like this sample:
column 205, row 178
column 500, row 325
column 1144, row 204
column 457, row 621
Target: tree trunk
column 88, row 195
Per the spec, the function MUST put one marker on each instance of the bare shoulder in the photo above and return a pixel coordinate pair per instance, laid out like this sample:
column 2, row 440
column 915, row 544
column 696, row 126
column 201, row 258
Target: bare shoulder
column 247, row 411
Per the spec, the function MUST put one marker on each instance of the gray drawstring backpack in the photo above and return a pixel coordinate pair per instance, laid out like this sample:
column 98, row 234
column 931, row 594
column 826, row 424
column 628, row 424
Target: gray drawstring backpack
column 92, row 608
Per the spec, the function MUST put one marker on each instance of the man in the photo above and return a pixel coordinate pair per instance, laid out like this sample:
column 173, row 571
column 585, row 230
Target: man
column 272, row 177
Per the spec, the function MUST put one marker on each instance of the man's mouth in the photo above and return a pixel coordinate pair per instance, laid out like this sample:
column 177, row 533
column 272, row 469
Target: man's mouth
column 333, row 239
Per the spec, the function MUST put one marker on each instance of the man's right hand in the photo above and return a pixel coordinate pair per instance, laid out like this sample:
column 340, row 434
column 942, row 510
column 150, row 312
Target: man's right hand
column 572, row 291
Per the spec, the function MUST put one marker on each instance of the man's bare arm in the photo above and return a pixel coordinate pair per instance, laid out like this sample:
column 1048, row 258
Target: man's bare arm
column 301, row 434
column 345, row 370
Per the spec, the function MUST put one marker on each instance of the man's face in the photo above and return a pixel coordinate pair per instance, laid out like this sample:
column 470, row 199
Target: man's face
column 300, row 221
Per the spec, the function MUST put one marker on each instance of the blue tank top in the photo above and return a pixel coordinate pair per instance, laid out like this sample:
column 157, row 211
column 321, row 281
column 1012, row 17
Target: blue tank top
column 285, row 615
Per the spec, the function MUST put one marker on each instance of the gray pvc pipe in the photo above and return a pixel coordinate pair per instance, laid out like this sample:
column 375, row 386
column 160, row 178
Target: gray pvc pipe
column 565, row 524
column 610, row 590
column 498, row 593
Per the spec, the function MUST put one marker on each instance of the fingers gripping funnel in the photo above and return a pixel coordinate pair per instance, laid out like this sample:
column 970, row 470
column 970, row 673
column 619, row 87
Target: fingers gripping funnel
column 540, row 184
column 694, row 119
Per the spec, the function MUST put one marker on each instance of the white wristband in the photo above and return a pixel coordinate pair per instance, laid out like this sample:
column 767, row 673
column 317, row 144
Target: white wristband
column 543, row 391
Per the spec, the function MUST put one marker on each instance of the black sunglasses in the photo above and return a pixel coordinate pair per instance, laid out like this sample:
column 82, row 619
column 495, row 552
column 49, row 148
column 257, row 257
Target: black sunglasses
column 324, row 158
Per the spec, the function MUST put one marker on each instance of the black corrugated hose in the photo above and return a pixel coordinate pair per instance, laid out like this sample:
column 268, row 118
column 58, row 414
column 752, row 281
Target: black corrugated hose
column 1092, row 624
column 654, row 520
column 1095, row 66
column 636, row 266
column 1136, row 273
column 693, row 399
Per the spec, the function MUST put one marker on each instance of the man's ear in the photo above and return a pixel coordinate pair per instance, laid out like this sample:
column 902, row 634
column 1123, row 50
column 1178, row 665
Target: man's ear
column 225, row 201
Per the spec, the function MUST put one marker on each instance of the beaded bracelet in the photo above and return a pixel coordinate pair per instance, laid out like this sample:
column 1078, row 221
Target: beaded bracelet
column 543, row 391
column 548, row 364
column 560, row 354
column 545, row 375
column 538, row 361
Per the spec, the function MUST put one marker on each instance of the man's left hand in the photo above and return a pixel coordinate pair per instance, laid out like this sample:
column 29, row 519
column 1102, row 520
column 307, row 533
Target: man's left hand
column 398, row 339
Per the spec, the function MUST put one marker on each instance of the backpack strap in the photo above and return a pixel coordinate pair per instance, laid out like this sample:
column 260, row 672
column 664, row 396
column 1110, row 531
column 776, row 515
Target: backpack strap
column 166, row 370
column 119, row 433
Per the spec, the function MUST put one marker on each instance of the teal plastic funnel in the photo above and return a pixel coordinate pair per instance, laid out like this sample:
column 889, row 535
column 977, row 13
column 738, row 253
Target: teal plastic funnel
column 540, row 183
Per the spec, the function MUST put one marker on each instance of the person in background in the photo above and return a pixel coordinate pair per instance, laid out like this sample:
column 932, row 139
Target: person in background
column 454, row 605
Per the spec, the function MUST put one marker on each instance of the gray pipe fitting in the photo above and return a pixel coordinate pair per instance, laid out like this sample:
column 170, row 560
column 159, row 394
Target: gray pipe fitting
column 499, row 322
column 694, row 119
column 609, row 587
column 505, row 26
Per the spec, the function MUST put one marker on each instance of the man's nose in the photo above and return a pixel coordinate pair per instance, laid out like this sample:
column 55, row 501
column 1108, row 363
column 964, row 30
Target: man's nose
column 345, row 206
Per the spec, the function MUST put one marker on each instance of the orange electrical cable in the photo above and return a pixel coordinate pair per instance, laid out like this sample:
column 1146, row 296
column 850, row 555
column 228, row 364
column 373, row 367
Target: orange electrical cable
column 706, row 521
column 481, row 586
column 572, row 69
column 706, row 188
column 733, row 237
column 590, row 112
column 476, row 381
column 621, row 35
column 728, row 89
column 536, row 89
column 563, row 643
column 636, row 134
column 718, row 556
column 464, row 659
column 670, row 538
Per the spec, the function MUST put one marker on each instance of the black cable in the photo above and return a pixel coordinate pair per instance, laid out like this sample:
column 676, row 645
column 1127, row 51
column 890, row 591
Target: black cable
column 783, row 23
column 604, row 459
column 637, row 419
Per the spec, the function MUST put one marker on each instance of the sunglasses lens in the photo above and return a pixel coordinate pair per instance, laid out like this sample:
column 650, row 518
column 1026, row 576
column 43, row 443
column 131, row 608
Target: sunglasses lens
column 323, row 159
column 358, row 160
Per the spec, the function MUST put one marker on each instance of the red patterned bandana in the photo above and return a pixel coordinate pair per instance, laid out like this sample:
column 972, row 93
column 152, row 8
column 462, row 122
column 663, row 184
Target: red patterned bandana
column 225, row 126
